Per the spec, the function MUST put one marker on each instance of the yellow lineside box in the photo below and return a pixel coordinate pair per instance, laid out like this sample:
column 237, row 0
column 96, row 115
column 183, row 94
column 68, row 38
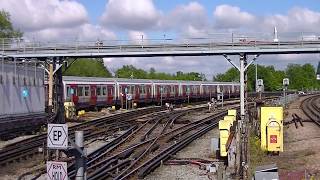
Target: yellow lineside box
column 272, row 129
column 232, row 112
column 70, row 110
column 230, row 118
column 224, row 128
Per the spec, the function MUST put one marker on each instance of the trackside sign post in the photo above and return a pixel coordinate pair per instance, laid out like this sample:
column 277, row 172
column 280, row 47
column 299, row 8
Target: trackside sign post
column 57, row 136
column 57, row 170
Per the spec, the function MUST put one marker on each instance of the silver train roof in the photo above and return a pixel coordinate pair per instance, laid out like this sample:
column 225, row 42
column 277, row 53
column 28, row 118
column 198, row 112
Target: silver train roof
column 122, row 80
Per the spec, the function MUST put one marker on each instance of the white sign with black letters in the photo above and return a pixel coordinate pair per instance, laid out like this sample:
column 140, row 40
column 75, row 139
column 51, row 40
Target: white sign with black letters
column 57, row 170
column 57, row 136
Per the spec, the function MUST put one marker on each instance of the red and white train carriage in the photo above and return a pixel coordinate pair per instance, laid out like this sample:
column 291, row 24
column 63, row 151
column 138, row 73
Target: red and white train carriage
column 97, row 92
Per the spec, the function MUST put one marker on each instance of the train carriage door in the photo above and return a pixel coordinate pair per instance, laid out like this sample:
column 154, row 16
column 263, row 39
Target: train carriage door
column 93, row 98
column 137, row 93
column 158, row 91
column 111, row 92
column 184, row 90
column 148, row 93
column 74, row 93
column 168, row 91
column 176, row 90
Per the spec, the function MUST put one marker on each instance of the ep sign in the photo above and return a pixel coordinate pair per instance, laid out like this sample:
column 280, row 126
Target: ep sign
column 57, row 136
column 57, row 170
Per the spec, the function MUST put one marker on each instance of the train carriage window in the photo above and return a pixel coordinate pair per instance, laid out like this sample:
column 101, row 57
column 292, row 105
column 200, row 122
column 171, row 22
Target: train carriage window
column 98, row 90
column 104, row 91
column 120, row 89
column 93, row 91
column 86, row 91
column 80, row 91
column 68, row 91
column 110, row 91
column 148, row 90
column 133, row 89
column 141, row 89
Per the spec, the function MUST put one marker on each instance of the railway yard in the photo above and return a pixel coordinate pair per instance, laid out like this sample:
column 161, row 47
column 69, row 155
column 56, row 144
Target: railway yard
column 156, row 143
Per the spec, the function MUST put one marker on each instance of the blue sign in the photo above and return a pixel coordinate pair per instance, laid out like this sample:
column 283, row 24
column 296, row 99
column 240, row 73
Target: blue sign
column 25, row 92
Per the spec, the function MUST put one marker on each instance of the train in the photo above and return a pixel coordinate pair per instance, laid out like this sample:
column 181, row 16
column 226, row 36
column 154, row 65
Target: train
column 88, row 92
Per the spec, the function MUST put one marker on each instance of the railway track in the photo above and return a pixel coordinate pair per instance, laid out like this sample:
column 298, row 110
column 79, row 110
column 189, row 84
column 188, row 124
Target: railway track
column 95, row 128
column 147, row 146
column 13, row 126
column 311, row 108
column 136, row 139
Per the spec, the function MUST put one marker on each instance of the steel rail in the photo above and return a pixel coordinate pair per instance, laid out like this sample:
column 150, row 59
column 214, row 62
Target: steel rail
column 310, row 107
column 16, row 151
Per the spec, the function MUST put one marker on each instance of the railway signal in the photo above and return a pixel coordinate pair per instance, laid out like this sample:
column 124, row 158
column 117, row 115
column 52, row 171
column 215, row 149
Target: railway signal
column 285, row 83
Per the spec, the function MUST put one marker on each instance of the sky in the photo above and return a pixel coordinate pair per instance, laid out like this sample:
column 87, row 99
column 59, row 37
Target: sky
column 109, row 20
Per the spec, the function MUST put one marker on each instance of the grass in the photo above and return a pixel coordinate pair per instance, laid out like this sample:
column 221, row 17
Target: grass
column 257, row 156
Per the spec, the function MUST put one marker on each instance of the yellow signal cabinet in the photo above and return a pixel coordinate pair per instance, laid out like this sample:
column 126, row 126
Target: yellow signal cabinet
column 224, row 127
column 272, row 129
column 232, row 112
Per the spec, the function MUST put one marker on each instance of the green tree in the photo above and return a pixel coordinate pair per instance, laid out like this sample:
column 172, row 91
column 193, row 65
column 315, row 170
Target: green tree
column 302, row 77
column 87, row 67
column 6, row 28
column 232, row 74
column 129, row 71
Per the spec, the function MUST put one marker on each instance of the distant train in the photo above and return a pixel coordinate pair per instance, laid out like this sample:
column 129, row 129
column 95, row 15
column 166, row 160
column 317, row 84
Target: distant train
column 88, row 92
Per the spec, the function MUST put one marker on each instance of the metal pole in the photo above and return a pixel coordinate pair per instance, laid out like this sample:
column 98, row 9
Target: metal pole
column 256, row 77
column 126, row 103
column 161, row 98
column 222, row 99
column 80, row 160
column 15, row 70
column 2, row 69
column 59, row 95
column 242, row 112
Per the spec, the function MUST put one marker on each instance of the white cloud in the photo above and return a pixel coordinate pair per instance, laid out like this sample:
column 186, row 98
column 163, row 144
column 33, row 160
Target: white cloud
column 132, row 15
column 54, row 20
column 138, row 37
column 186, row 19
column 85, row 32
column 207, row 65
column 297, row 19
column 230, row 17
column 30, row 15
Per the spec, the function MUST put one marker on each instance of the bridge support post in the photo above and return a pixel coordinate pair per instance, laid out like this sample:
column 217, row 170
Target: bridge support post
column 241, row 131
column 59, row 95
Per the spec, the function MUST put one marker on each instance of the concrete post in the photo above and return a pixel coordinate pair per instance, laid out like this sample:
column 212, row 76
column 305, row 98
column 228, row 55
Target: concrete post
column 50, row 88
column 80, row 160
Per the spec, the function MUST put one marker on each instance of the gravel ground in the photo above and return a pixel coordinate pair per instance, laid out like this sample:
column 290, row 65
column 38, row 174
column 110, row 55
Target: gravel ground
column 301, row 146
column 199, row 148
